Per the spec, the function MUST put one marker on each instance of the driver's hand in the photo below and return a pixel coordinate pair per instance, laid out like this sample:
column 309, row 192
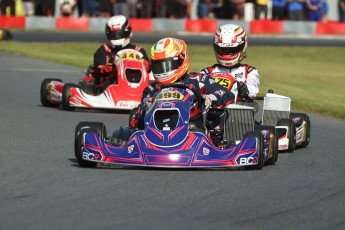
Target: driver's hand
column 148, row 102
column 242, row 88
column 209, row 99
column 107, row 68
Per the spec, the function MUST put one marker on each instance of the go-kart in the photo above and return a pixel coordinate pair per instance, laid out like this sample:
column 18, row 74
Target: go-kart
column 123, row 91
column 169, row 139
column 293, row 128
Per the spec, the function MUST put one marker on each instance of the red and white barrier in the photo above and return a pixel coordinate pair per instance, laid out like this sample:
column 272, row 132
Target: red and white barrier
column 188, row 25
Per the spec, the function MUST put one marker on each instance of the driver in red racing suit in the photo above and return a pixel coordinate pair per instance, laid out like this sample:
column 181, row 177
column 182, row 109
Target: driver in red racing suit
column 230, row 45
column 170, row 62
column 118, row 31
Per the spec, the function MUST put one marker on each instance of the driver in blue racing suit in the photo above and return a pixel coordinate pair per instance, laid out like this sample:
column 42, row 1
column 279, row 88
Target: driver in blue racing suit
column 170, row 62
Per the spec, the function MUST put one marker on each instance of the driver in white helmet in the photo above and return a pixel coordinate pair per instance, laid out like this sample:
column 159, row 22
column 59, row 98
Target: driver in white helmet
column 118, row 31
column 230, row 45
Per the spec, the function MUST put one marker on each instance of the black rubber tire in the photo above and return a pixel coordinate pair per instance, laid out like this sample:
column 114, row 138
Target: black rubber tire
column 87, row 127
column 274, row 143
column 66, row 94
column 257, row 134
column 121, row 135
column 305, row 118
column 291, row 132
column 89, row 124
column 43, row 92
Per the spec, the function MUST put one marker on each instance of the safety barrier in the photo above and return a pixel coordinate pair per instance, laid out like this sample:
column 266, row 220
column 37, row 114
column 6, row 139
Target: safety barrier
column 188, row 25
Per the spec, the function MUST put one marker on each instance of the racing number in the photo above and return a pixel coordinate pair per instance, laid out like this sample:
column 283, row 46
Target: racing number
column 226, row 83
column 130, row 55
column 167, row 95
column 170, row 95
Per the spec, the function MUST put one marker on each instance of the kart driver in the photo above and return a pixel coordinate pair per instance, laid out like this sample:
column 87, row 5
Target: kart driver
column 230, row 45
column 118, row 31
column 170, row 62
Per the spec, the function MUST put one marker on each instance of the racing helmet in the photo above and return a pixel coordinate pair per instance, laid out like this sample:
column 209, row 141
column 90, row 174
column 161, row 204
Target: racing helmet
column 230, row 44
column 169, row 60
column 118, row 31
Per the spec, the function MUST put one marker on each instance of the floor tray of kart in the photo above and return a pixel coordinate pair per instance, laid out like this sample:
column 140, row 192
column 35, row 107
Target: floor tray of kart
column 166, row 140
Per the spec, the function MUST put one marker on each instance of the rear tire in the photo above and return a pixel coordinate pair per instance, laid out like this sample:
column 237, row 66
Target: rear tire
column 43, row 92
column 291, row 132
column 87, row 127
column 305, row 118
column 66, row 94
column 257, row 134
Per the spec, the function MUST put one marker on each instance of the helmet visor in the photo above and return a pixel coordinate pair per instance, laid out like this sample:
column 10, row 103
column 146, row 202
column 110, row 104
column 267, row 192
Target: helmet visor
column 228, row 50
column 118, row 34
column 166, row 65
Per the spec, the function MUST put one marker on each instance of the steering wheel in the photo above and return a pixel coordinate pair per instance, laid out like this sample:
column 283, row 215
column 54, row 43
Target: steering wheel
column 198, row 96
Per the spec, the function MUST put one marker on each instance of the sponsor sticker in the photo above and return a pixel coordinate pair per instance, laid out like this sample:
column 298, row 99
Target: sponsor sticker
column 130, row 149
column 205, row 151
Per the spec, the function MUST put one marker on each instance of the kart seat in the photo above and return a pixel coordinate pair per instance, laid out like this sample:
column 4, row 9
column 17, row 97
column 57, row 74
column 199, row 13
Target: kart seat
column 133, row 75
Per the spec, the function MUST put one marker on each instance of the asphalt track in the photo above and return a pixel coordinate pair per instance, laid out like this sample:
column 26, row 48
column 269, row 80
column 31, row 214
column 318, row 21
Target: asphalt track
column 42, row 186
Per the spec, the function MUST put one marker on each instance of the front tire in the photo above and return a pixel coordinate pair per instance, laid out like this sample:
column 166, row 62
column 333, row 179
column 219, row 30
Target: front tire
column 291, row 132
column 260, row 143
column 273, row 143
column 87, row 127
column 99, row 126
column 66, row 94
column 43, row 92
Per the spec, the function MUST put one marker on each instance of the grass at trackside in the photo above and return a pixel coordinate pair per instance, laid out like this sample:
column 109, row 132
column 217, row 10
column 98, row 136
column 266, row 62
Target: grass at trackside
column 313, row 77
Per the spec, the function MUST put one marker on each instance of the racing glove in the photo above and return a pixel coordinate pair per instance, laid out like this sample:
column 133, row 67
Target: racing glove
column 107, row 68
column 133, row 117
column 209, row 99
column 242, row 88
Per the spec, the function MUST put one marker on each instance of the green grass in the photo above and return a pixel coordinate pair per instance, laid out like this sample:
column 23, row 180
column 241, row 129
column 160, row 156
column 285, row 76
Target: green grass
column 313, row 77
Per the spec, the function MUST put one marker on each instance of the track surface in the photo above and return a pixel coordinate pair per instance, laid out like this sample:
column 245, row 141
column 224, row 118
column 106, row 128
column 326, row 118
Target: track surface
column 42, row 186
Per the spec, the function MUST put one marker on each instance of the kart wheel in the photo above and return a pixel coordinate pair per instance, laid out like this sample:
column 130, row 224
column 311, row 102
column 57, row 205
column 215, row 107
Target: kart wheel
column 90, row 127
column 121, row 135
column 305, row 118
column 66, row 94
column 273, row 143
column 43, row 93
column 99, row 126
column 257, row 134
column 291, row 132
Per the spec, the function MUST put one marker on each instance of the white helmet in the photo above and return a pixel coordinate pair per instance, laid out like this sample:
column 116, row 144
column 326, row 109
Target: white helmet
column 230, row 44
column 118, row 31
